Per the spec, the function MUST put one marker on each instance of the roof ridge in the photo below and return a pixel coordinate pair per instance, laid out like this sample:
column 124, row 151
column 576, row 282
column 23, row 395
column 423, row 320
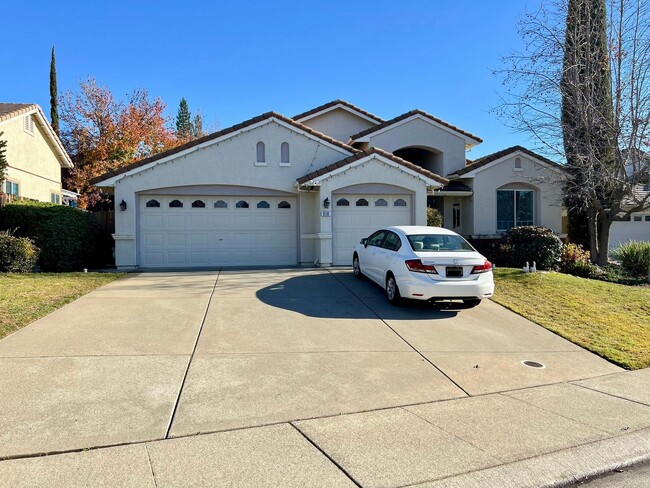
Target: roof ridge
column 489, row 158
column 333, row 103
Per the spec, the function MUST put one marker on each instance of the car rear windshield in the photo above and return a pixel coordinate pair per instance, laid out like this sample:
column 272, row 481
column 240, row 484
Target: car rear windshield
column 439, row 242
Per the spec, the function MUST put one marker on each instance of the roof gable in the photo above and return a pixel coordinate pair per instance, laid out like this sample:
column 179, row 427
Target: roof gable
column 9, row 111
column 499, row 155
column 405, row 117
column 219, row 136
column 367, row 154
column 338, row 104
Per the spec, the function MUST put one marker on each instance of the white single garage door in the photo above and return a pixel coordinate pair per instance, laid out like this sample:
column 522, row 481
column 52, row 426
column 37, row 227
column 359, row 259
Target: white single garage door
column 358, row 216
column 192, row 231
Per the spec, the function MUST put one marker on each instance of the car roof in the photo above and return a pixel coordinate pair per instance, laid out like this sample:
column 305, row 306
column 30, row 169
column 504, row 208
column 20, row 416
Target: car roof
column 422, row 229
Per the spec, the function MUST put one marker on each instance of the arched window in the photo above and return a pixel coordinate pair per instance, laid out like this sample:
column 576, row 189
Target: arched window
column 400, row 202
column 518, row 163
column 263, row 204
column 284, row 204
column 362, row 202
column 198, row 204
column 261, row 152
column 153, row 203
column 220, row 204
column 381, row 203
column 342, row 202
column 241, row 204
column 284, row 153
column 176, row 204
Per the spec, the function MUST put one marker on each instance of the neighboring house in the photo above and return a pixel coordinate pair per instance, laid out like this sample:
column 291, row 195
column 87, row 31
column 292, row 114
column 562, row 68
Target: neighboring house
column 34, row 153
column 275, row 190
column 637, row 228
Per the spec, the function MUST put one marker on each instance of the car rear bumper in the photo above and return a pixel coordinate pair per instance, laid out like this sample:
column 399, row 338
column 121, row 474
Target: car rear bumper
column 419, row 286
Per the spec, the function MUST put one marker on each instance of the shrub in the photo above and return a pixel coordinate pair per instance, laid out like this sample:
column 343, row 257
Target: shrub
column 434, row 217
column 576, row 261
column 634, row 257
column 17, row 254
column 65, row 235
column 531, row 243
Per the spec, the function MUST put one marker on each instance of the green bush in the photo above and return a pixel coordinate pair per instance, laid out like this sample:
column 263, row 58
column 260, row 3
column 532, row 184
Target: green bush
column 17, row 254
column 576, row 261
column 634, row 257
column 530, row 243
column 65, row 235
column 434, row 217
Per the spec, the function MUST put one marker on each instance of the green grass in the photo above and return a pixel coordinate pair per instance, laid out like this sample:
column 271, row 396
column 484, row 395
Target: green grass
column 27, row 297
column 608, row 319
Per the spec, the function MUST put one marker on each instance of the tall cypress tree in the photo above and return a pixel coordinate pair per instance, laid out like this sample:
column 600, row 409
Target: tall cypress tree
column 54, row 99
column 184, row 127
column 3, row 162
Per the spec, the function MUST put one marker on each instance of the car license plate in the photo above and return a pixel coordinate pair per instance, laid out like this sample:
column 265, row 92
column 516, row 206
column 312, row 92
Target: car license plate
column 454, row 271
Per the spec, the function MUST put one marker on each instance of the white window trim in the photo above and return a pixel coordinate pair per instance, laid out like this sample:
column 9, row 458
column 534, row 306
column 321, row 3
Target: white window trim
column 261, row 163
column 284, row 165
column 515, row 209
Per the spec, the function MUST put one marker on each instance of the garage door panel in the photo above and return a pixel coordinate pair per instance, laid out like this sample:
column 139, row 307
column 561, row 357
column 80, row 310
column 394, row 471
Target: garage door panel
column 217, row 236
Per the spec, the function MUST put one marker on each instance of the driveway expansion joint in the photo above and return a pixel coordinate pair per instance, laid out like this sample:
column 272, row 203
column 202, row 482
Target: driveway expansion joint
column 572, row 382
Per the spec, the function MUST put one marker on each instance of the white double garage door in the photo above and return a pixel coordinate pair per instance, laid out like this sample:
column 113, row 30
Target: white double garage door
column 183, row 231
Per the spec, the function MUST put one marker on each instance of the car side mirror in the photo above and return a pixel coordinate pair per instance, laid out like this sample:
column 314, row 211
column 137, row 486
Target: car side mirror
column 364, row 241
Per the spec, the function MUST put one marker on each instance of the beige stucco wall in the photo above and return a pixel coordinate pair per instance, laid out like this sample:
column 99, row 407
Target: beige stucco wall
column 339, row 124
column 419, row 133
column 32, row 160
column 229, row 162
column 545, row 182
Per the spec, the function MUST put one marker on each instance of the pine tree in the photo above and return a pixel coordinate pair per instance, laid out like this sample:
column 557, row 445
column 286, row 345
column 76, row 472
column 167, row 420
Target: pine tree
column 184, row 128
column 3, row 162
column 54, row 100
column 197, row 129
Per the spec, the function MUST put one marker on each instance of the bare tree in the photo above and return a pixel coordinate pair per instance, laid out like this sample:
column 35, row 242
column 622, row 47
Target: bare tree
column 593, row 114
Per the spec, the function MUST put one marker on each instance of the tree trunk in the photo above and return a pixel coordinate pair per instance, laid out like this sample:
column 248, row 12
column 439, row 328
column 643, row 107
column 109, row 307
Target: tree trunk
column 592, row 227
column 603, row 241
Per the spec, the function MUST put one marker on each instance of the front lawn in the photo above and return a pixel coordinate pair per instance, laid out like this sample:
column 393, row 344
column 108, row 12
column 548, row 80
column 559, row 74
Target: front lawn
column 608, row 319
column 27, row 297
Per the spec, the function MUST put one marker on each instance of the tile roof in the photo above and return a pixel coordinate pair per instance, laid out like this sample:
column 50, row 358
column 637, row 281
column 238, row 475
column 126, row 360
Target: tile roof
column 10, row 110
column 216, row 135
column 334, row 103
column 456, row 186
column 410, row 114
column 369, row 152
column 485, row 160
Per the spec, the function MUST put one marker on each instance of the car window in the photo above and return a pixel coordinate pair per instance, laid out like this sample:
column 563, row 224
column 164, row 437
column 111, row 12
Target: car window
column 392, row 242
column 439, row 242
column 377, row 238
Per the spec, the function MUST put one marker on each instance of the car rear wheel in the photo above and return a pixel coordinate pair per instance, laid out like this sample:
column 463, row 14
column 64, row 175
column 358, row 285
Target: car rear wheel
column 356, row 267
column 472, row 302
column 392, row 290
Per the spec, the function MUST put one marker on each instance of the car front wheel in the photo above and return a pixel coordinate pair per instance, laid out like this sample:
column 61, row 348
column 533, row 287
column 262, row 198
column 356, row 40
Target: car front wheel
column 356, row 267
column 392, row 291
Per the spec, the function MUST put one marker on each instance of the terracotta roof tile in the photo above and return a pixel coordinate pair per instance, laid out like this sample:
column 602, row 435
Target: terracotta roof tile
column 485, row 160
column 10, row 110
column 216, row 135
column 334, row 103
column 369, row 152
column 410, row 114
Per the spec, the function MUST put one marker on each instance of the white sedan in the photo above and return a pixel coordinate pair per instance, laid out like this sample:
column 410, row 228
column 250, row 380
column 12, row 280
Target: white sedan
column 424, row 263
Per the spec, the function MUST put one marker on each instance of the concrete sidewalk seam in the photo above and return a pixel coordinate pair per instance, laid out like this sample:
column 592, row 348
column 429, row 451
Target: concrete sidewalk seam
column 153, row 474
column 316, row 446
column 606, row 392
column 189, row 362
column 400, row 336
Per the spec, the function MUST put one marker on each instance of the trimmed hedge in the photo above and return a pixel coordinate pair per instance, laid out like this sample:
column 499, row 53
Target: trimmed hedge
column 434, row 217
column 65, row 235
column 532, row 243
column 17, row 254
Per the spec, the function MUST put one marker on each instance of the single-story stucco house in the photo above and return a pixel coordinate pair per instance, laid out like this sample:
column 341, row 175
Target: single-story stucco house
column 275, row 190
column 35, row 155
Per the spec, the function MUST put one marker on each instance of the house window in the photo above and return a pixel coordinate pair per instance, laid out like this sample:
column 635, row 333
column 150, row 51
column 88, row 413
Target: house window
column 381, row 203
column 637, row 218
column 220, row 204
column 153, row 204
column 517, row 163
column 55, row 198
column 342, row 202
column 400, row 202
column 647, row 218
column 261, row 152
column 263, row 204
column 362, row 202
column 515, row 208
column 28, row 124
column 175, row 204
column 284, row 204
column 198, row 204
column 284, row 154
column 12, row 188
column 456, row 215
column 242, row 204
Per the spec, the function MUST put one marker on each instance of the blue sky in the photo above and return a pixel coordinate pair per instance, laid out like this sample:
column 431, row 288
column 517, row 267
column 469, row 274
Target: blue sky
column 235, row 60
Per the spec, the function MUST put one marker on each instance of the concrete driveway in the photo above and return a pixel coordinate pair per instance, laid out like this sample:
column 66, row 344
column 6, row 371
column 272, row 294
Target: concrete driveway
column 300, row 377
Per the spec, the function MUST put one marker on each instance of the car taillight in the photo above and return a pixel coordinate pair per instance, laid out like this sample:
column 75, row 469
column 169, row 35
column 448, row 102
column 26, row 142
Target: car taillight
column 417, row 266
column 484, row 268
